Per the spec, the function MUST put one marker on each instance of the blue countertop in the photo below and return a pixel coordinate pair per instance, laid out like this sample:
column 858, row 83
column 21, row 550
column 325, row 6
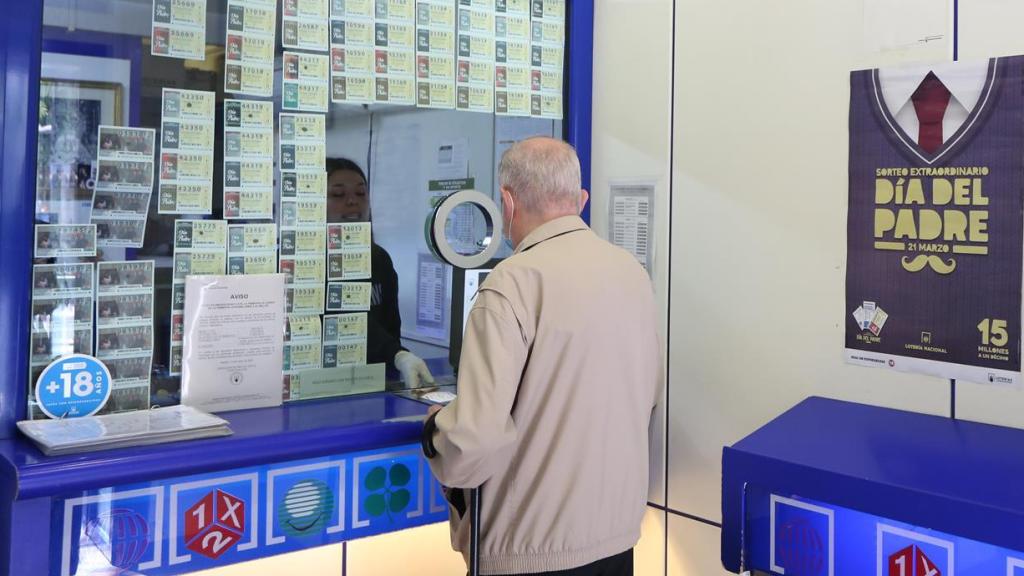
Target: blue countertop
column 297, row 430
column 958, row 477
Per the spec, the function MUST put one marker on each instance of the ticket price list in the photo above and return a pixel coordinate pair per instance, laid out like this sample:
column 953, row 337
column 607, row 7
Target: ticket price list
column 186, row 152
column 124, row 331
column 199, row 248
column 62, row 317
column 249, row 44
column 435, row 54
column 248, row 159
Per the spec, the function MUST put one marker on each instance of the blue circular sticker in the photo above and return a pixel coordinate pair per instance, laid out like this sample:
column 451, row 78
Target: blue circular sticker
column 73, row 386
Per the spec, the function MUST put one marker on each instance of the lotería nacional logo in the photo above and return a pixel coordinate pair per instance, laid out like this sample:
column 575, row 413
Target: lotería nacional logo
column 932, row 216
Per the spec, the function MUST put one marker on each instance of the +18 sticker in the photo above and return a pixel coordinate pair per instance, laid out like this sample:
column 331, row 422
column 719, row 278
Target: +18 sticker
column 73, row 386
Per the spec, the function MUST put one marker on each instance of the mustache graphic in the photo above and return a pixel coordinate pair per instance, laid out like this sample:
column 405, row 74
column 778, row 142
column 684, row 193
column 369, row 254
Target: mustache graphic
column 918, row 263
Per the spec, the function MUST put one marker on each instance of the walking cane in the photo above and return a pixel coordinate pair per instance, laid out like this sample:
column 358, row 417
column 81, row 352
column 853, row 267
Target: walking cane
column 474, row 531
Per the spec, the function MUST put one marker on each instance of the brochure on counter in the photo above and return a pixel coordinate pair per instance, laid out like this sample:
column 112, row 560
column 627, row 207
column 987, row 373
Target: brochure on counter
column 144, row 427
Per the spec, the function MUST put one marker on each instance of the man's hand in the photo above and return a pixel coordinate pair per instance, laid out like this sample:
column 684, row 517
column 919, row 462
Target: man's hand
column 434, row 409
column 414, row 370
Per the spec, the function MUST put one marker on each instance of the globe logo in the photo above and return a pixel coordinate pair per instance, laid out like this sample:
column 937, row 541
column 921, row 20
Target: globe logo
column 121, row 535
column 305, row 508
column 801, row 549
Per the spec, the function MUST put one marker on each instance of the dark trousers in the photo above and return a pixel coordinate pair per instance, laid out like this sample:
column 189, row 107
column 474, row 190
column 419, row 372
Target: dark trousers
column 618, row 565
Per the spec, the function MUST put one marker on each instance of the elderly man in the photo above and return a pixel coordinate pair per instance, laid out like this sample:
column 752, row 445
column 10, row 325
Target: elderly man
column 559, row 375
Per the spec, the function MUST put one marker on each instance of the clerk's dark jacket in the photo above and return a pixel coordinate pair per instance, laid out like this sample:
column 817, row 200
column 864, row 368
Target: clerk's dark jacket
column 384, row 322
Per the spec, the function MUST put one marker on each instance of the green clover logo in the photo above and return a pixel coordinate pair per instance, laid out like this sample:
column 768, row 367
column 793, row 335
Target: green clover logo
column 387, row 493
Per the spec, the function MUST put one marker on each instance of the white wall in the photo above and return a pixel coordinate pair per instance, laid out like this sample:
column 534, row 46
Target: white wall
column 759, row 228
column 631, row 134
column 759, row 191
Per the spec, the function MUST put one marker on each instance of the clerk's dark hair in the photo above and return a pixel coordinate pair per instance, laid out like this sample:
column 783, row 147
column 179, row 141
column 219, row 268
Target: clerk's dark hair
column 338, row 164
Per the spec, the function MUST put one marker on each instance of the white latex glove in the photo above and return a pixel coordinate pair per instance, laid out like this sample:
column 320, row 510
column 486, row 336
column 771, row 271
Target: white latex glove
column 414, row 370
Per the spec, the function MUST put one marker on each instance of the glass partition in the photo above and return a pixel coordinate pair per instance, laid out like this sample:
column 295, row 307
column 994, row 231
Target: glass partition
column 307, row 137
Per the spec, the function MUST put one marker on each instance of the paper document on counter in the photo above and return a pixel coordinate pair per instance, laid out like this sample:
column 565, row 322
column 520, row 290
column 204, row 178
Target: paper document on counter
column 72, row 435
column 234, row 341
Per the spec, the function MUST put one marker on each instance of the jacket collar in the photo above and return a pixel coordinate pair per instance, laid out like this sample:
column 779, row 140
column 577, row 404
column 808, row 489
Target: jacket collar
column 550, row 229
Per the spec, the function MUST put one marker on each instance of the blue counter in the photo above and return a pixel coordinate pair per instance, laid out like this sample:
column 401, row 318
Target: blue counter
column 301, row 475
column 834, row 487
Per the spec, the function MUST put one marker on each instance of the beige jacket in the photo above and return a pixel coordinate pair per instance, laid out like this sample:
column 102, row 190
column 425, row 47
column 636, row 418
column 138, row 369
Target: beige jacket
column 559, row 374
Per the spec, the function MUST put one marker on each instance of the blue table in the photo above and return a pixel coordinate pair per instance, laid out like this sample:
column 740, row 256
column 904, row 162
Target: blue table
column 860, row 488
column 301, row 475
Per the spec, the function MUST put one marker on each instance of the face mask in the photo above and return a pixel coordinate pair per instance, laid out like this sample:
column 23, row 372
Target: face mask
column 506, row 234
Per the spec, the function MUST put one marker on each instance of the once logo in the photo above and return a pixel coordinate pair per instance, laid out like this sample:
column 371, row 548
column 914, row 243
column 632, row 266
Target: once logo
column 214, row 524
column 911, row 561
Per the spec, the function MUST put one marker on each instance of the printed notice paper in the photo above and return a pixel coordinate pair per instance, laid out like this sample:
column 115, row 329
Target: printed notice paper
column 234, row 342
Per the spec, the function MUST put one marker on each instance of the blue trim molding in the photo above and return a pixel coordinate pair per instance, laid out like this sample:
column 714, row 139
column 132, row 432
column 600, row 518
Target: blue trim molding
column 580, row 85
column 20, row 52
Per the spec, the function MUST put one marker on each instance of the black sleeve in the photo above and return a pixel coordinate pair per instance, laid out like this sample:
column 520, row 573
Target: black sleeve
column 384, row 322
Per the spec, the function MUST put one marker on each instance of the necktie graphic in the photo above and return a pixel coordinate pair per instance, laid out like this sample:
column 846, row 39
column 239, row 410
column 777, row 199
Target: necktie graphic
column 930, row 101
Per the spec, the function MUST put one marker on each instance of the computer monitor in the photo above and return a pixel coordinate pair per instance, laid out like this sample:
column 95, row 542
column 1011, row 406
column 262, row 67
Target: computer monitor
column 465, row 287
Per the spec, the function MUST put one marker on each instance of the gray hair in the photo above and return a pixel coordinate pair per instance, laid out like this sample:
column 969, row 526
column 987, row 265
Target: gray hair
column 543, row 174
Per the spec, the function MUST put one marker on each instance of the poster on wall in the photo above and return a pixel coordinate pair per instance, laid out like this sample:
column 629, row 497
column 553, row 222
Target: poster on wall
column 934, row 248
